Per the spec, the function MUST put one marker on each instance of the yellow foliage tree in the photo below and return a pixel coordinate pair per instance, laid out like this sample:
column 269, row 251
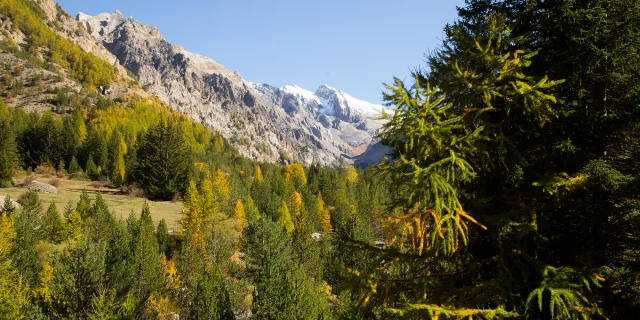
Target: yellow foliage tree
column 119, row 165
column 239, row 215
column 75, row 227
column 351, row 174
column 294, row 173
column 325, row 216
column 194, row 216
column 46, row 274
column 258, row 174
column 222, row 191
column 284, row 217
column 80, row 127
column 12, row 290
column 295, row 204
column 252, row 211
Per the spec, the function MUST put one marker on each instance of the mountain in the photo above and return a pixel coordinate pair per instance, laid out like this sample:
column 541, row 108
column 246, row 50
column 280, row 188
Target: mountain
column 263, row 122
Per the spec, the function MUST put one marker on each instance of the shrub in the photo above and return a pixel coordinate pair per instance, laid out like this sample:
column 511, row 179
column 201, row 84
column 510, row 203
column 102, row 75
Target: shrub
column 27, row 180
column 134, row 191
column 55, row 182
column 45, row 170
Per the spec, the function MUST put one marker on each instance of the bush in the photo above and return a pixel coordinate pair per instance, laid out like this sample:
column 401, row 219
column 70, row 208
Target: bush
column 134, row 191
column 55, row 182
column 99, row 184
column 45, row 170
column 27, row 180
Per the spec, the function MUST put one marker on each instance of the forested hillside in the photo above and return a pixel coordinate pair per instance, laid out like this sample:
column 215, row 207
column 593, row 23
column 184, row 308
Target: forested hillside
column 512, row 191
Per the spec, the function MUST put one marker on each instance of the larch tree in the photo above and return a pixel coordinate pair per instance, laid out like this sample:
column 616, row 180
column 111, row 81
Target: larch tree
column 252, row 211
column 284, row 217
column 325, row 216
column 448, row 126
column 13, row 291
column 239, row 215
column 258, row 174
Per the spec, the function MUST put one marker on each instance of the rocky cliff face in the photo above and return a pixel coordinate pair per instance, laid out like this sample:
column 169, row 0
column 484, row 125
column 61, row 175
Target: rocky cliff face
column 263, row 122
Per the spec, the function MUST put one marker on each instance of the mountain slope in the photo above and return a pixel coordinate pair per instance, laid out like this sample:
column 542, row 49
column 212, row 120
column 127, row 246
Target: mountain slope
column 263, row 122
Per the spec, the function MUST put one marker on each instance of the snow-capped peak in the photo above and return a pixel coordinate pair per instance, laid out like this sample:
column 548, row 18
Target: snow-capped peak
column 346, row 104
column 303, row 94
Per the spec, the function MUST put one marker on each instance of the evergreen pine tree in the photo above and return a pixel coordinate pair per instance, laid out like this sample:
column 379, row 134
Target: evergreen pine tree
column 163, row 162
column 28, row 226
column 53, row 228
column 61, row 166
column 91, row 169
column 164, row 239
column 78, row 273
column 8, row 207
column 8, row 151
column 146, row 259
column 73, row 166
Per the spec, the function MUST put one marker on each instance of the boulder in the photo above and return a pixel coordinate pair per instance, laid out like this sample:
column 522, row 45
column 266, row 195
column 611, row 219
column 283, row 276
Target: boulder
column 42, row 187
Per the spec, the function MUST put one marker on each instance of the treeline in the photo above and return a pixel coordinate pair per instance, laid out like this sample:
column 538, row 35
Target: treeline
column 102, row 143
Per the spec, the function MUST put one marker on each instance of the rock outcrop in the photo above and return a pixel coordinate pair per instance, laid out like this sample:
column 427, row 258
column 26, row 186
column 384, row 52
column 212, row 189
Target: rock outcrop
column 42, row 187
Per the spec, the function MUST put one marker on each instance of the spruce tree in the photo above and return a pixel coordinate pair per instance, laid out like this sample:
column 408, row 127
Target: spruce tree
column 164, row 239
column 8, row 151
column 53, row 228
column 163, row 162
column 73, row 166
column 91, row 169
column 78, row 273
column 8, row 207
column 28, row 226
column 146, row 258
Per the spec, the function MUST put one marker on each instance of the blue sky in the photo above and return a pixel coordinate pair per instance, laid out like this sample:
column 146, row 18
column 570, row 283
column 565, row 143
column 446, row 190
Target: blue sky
column 352, row 45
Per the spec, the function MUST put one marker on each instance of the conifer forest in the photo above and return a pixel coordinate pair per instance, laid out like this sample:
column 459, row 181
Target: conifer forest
column 512, row 190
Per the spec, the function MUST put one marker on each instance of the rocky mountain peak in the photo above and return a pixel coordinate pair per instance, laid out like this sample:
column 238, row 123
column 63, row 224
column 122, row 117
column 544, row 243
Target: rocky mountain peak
column 263, row 122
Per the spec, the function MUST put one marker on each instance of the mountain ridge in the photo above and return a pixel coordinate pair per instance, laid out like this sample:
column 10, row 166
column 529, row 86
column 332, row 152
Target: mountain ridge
column 264, row 124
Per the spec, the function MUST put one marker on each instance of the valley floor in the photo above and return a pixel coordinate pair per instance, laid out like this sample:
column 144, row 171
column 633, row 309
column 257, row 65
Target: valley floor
column 120, row 203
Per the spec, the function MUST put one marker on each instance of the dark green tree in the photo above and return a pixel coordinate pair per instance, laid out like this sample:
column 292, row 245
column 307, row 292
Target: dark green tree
column 73, row 166
column 163, row 162
column 146, row 258
column 203, row 294
column 8, row 151
column 77, row 277
column 52, row 227
column 28, row 225
column 91, row 169
column 164, row 239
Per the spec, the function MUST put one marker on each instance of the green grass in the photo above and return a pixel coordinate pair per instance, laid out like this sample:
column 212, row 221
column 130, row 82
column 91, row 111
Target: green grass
column 120, row 204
